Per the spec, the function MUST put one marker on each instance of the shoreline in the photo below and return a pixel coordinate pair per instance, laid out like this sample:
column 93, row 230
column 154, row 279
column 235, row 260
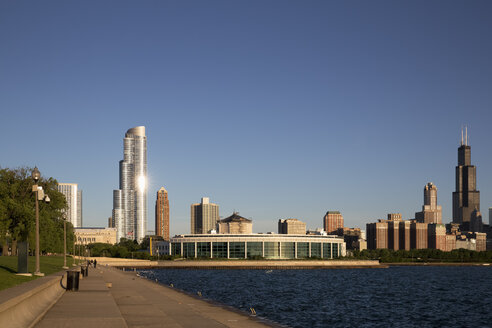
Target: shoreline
column 268, row 264
column 485, row 264
column 242, row 264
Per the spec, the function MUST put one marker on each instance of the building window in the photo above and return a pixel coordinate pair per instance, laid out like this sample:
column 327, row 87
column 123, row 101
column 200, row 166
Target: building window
column 316, row 250
column 327, row 251
column 188, row 249
column 236, row 250
column 203, row 250
column 272, row 250
column 302, row 250
column 219, row 250
column 336, row 250
column 176, row 249
column 255, row 249
column 288, row 250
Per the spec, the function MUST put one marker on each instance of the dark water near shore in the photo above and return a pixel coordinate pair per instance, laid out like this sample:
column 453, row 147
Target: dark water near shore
column 393, row 297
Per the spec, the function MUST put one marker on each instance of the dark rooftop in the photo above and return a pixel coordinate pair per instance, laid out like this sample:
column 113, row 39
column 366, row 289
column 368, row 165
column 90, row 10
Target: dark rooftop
column 235, row 218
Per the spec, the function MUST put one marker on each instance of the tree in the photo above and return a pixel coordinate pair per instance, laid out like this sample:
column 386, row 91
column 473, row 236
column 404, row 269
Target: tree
column 17, row 211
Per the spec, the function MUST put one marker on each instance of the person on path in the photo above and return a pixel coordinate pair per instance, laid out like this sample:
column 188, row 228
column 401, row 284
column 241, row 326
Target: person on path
column 95, row 263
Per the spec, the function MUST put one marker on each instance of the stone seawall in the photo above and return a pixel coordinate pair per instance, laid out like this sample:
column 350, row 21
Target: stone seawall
column 22, row 306
column 239, row 264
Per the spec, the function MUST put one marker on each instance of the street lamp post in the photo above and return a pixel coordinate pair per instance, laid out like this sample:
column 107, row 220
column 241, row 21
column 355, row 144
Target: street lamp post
column 35, row 176
column 64, row 243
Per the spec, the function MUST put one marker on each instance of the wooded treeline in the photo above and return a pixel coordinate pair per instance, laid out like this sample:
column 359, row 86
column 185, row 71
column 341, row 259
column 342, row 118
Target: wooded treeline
column 18, row 217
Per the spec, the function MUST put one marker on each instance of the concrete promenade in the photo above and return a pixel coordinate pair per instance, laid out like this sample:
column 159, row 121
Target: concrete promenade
column 112, row 298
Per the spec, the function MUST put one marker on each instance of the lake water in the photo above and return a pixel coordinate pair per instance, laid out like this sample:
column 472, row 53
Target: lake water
column 393, row 297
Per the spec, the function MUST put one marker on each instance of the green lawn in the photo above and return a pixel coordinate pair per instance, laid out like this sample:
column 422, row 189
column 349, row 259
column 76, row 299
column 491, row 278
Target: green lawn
column 8, row 269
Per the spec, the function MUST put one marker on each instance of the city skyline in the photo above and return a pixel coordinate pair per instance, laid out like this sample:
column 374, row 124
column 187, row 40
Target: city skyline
column 272, row 110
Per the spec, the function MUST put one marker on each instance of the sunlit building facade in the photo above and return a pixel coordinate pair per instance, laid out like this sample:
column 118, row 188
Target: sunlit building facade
column 162, row 214
column 73, row 196
column 332, row 222
column 86, row 236
column 130, row 200
column 268, row 246
column 204, row 216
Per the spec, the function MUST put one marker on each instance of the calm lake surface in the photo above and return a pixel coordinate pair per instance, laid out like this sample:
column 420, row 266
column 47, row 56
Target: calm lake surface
column 393, row 297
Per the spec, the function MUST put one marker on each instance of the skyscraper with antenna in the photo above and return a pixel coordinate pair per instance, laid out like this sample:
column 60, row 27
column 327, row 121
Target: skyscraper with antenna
column 466, row 198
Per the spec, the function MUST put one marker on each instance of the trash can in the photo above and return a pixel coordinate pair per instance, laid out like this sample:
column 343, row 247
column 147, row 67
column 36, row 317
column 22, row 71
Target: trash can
column 73, row 280
column 86, row 271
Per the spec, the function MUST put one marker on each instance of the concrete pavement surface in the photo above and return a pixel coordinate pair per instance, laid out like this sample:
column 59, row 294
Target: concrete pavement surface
column 111, row 298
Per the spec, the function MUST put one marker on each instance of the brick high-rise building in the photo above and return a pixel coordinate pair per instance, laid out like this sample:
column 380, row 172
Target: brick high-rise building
column 466, row 198
column 162, row 214
column 377, row 234
column 437, row 236
column 418, row 235
column 394, row 220
column 431, row 212
column 204, row 216
column 332, row 222
column 404, row 238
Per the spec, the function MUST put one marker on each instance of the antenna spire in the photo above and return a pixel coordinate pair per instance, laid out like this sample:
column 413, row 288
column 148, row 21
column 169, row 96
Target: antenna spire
column 461, row 136
column 466, row 135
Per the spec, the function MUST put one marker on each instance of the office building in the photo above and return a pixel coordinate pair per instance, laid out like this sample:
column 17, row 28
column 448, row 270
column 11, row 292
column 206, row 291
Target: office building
column 268, row 246
column 394, row 220
column 476, row 224
column 111, row 222
column 130, row 200
column 355, row 239
column 404, row 235
column 73, row 196
column 490, row 216
column 86, row 236
column 235, row 224
column 466, row 198
column 332, row 222
column 291, row 226
column 418, row 235
column 385, row 233
column 431, row 212
column 204, row 217
column 437, row 236
column 162, row 214
column 377, row 234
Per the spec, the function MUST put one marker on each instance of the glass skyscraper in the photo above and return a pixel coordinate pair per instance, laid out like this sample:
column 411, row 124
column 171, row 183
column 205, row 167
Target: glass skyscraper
column 130, row 200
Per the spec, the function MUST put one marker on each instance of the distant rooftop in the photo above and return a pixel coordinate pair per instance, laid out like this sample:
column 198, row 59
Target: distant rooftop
column 136, row 131
column 235, row 218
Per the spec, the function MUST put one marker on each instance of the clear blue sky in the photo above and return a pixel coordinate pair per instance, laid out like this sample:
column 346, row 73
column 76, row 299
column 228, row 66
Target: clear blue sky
column 276, row 109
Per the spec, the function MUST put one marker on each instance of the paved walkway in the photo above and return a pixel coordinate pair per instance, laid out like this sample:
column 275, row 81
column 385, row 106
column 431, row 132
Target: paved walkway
column 136, row 302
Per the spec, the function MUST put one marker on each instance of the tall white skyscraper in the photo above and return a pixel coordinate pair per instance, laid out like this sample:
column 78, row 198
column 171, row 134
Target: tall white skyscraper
column 130, row 200
column 73, row 195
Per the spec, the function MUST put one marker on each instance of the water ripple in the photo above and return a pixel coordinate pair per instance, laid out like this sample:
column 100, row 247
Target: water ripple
column 395, row 297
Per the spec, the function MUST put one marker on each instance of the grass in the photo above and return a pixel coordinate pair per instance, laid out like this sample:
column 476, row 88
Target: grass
column 8, row 269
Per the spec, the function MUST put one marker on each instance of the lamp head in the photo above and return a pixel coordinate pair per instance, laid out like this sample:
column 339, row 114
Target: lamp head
column 36, row 174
